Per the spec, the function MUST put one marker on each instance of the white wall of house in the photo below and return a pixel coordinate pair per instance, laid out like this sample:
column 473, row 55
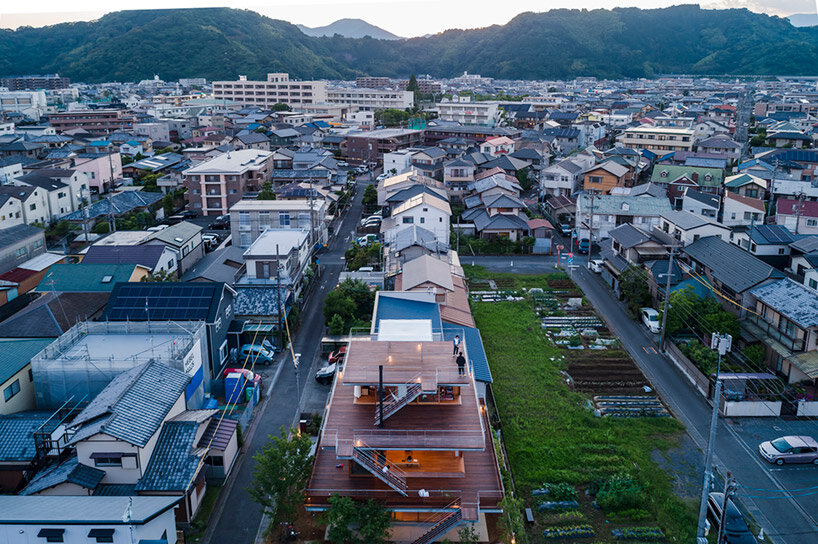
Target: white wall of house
column 11, row 213
column 428, row 217
column 153, row 530
column 23, row 399
column 804, row 225
column 737, row 213
column 399, row 161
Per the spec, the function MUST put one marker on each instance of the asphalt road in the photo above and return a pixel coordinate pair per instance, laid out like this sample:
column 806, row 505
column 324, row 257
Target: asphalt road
column 785, row 519
column 236, row 518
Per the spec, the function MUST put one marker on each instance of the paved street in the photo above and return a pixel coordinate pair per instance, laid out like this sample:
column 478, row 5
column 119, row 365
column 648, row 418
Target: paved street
column 237, row 517
column 785, row 520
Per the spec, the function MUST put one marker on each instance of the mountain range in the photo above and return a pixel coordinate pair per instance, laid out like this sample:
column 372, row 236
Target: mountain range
column 221, row 43
column 804, row 19
column 349, row 28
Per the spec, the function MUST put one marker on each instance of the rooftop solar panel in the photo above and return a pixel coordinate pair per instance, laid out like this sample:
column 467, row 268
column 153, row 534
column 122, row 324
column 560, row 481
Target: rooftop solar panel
column 161, row 301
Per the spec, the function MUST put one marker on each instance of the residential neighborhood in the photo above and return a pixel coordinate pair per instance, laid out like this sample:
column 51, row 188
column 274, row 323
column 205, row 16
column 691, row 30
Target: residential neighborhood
column 272, row 308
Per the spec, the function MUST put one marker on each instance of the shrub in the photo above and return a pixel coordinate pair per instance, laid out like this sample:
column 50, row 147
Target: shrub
column 562, row 492
column 620, row 492
column 577, row 531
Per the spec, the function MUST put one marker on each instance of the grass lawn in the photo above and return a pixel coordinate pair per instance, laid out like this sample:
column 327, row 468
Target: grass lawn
column 551, row 436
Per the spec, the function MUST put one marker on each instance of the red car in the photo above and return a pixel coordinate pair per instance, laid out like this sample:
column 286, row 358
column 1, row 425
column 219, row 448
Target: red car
column 337, row 356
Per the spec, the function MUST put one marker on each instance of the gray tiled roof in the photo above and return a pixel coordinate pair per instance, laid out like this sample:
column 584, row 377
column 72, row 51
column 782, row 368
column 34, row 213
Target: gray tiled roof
column 703, row 198
column 730, row 264
column 628, row 235
column 795, row 301
column 115, row 490
column 17, row 233
column 45, row 509
column 17, row 431
column 133, row 405
column 174, row 461
column 69, row 471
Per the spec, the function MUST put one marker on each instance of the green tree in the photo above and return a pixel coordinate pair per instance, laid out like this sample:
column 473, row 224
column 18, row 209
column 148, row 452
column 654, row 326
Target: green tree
column 168, row 205
column 361, row 295
column 351, row 522
column 162, row 275
column 413, row 86
column 754, row 354
column 634, row 290
column 522, row 177
column 280, row 106
column 391, row 117
column 337, row 303
column 164, row 150
column 336, row 325
column 101, row 227
column 370, row 197
column 280, row 474
column 468, row 534
column 266, row 192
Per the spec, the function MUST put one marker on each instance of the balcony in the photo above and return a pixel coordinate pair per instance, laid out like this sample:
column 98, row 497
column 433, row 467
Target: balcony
column 769, row 334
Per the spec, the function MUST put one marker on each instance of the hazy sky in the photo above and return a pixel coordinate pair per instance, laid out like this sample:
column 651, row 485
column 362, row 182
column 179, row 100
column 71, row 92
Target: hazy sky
column 402, row 17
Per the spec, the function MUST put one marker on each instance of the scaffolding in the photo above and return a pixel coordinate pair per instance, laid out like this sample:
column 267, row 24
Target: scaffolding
column 82, row 361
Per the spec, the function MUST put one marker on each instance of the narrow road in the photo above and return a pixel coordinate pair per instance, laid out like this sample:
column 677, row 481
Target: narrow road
column 237, row 516
column 786, row 520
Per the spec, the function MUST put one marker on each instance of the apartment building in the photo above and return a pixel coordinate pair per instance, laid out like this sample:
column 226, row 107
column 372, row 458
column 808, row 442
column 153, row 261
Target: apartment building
column 370, row 82
column 660, row 140
column 250, row 218
column 35, row 82
column 219, row 183
column 470, row 113
column 371, row 146
column 278, row 88
column 30, row 103
column 97, row 122
column 371, row 99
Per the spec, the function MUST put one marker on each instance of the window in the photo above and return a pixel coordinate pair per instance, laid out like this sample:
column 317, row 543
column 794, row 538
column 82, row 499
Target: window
column 781, row 251
column 20, row 252
column 37, row 243
column 223, row 351
column 408, row 220
column 245, row 239
column 214, row 460
column 284, row 219
column 594, row 179
column 733, row 215
column 812, row 222
column 813, row 284
column 11, row 390
column 244, row 220
column 30, row 375
column 107, row 459
column 422, row 219
column 32, row 207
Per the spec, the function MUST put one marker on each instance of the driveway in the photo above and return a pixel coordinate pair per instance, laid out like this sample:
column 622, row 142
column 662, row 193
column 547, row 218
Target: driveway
column 236, row 518
column 785, row 519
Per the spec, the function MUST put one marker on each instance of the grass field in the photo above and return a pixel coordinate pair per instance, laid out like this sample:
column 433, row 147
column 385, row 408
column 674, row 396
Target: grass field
column 551, row 435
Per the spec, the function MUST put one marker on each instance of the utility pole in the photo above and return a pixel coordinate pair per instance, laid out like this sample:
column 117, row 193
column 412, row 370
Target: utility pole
column 798, row 208
column 591, row 229
column 722, row 344
column 280, row 304
column 669, row 274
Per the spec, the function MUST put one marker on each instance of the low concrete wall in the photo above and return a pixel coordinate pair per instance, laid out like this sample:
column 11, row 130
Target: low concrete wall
column 751, row 408
column 699, row 380
column 807, row 408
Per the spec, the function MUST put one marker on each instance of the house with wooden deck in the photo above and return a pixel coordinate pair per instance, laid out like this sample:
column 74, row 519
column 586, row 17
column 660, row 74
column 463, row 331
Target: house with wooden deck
column 405, row 426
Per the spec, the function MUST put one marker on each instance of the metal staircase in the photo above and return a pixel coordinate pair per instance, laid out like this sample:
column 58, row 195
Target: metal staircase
column 380, row 467
column 441, row 523
column 395, row 403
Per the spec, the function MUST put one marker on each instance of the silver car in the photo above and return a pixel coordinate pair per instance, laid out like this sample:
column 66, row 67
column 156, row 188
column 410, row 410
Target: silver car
column 790, row 449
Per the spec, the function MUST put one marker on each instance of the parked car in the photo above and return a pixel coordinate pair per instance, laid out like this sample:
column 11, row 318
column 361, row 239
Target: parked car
column 367, row 239
column 189, row 214
column 373, row 222
column 565, row 229
column 382, row 177
column 343, row 163
column 220, row 223
column 790, row 449
column 263, row 354
column 650, row 318
column 337, row 356
column 584, row 246
column 325, row 375
column 211, row 241
column 595, row 265
column 735, row 527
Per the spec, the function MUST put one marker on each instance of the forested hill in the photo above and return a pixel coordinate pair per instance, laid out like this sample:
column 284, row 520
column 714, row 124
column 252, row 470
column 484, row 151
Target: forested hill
column 222, row 43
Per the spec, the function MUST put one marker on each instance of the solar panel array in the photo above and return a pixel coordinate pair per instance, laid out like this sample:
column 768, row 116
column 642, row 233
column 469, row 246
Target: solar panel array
column 776, row 234
column 160, row 302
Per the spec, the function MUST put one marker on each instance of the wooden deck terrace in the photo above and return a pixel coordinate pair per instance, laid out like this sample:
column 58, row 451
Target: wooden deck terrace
column 416, row 426
column 429, row 363
column 480, row 483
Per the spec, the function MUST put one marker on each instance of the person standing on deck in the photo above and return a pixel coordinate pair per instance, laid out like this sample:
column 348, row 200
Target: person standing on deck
column 456, row 344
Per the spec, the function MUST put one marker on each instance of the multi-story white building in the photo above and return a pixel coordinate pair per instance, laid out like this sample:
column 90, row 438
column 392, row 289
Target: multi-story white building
column 250, row 218
column 470, row 113
column 659, row 140
column 32, row 104
column 371, row 99
column 277, row 89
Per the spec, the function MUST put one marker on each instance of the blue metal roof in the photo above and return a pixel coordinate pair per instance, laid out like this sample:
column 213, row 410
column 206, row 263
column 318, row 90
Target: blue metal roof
column 474, row 347
column 396, row 307
column 16, row 353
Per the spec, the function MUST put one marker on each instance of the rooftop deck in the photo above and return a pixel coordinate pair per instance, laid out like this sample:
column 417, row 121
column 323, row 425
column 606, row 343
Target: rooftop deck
column 428, row 363
column 479, row 482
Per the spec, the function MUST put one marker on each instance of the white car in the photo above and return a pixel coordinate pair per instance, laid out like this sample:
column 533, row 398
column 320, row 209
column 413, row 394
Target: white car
column 650, row 318
column 382, row 177
column 596, row 265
